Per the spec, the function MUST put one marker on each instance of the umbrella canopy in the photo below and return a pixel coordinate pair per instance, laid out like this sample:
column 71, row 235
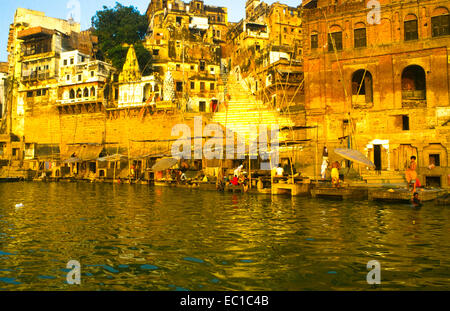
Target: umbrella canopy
column 164, row 164
column 112, row 158
column 355, row 156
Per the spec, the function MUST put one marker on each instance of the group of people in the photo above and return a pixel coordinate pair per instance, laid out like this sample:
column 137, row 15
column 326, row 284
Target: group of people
column 238, row 179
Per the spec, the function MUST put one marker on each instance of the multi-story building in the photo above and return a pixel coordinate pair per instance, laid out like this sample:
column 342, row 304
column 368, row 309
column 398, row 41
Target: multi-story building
column 268, row 49
column 4, row 139
column 378, row 81
column 3, row 75
column 187, row 39
column 83, row 82
column 35, row 45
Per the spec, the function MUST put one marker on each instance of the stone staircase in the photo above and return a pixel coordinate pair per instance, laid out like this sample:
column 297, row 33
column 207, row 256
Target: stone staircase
column 385, row 177
column 244, row 110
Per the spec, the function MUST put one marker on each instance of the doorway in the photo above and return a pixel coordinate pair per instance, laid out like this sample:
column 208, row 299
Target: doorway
column 377, row 157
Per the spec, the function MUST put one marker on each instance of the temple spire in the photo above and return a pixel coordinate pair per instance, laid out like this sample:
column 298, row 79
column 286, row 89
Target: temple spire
column 131, row 71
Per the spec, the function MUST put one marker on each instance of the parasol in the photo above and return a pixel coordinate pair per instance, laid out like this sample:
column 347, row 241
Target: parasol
column 164, row 164
column 355, row 156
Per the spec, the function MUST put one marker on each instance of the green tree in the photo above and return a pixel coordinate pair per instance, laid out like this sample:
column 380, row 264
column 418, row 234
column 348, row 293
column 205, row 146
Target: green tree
column 118, row 27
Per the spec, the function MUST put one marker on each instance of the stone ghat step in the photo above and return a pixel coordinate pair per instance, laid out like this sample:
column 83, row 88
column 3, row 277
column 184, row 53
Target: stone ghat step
column 386, row 181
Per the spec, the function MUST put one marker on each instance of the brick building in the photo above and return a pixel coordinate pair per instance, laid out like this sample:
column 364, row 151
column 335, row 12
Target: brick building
column 380, row 83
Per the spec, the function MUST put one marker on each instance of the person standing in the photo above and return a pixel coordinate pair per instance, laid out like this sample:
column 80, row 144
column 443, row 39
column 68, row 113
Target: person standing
column 411, row 174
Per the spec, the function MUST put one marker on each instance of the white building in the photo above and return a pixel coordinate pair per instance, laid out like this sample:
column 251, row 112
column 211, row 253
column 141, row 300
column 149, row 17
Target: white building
column 81, row 79
column 144, row 92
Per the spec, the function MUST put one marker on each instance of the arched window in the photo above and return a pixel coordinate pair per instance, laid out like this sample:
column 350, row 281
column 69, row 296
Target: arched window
column 440, row 21
column 359, row 35
column 362, row 85
column 414, row 83
column 72, row 94
column 92, row 91
column 79, row 93
column 411, row 28
column 86, row 92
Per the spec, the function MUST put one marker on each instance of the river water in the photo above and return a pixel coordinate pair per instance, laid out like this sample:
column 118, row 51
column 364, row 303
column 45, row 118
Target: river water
column 132, row 237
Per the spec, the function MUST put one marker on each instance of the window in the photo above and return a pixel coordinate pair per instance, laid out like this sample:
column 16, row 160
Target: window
column 68, row 78
column 79, row 77
column 30, row 94
column 72, row 94
column 218, row 33
column 435, row 159
column 411, row 32
column 44, row 92
column 155, row 52
column 440, row 25
column 414, row 83
column 202, row 65
column 86, row 92
column 179, row 86
column 92, row 74
column 178, row 67
column 38, row 93
column 212, row 86
column 360, row 37
column 92, row 91
column 179, row 20
column 71, row 61
column 192, row 85
column 65, row 62
column 336, row 38
column 314, row 41
column 202, row 86
column 362, row 86
column 192, row 67
column 202, row 106
column 405, row 123
column 82, row 59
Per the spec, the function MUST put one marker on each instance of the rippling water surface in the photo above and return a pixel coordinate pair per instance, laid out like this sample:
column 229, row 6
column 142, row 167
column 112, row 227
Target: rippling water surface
column 145, row 238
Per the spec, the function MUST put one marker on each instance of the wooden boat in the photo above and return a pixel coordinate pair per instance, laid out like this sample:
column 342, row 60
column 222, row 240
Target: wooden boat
column 11, row 179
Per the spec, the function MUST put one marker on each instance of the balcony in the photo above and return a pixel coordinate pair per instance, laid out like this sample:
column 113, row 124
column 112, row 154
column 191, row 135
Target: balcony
column 76, row 101
column 29, row 76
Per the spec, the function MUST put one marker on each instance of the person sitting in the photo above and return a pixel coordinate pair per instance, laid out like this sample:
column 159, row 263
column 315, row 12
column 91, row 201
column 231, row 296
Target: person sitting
column 335, row 174
column 279, row 172
column 235, row 181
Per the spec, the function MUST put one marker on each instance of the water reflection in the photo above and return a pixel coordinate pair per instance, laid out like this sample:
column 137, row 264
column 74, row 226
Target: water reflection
column 143, row 238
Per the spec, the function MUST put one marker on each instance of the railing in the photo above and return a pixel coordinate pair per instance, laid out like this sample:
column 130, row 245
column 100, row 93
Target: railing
column 36, row 75
column 414, row 95
column 70, row 101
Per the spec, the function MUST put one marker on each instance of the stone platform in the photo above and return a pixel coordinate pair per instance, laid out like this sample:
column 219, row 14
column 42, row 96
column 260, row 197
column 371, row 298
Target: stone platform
column 344, row 193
